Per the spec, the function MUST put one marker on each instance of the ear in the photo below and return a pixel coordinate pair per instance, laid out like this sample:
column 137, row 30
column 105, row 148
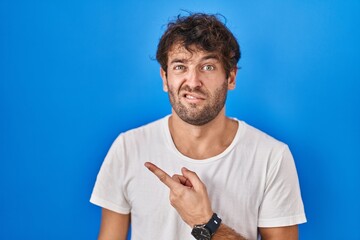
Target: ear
column 164, row 79
column 232, row 79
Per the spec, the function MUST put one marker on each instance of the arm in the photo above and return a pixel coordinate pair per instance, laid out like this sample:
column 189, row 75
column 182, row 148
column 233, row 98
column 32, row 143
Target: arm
column 226, row 233
column 114, row 226
column 279, row 233
column 274, row 233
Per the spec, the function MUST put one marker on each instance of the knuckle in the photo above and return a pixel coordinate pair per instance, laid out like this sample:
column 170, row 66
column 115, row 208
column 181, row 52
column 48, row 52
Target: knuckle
column 172, row 199
column 180, row 193
column 177, row 194
column 162, row 177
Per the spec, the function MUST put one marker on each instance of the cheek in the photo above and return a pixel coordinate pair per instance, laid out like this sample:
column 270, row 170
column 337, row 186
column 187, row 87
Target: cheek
column 172, row 89
column 173, row 86
column 170, row 86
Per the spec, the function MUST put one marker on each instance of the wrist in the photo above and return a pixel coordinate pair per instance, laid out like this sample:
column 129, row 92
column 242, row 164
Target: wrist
column 206, row 231
column 203, row 219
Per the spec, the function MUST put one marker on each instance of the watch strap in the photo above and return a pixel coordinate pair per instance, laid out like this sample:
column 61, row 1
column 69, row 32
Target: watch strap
column 213, row 224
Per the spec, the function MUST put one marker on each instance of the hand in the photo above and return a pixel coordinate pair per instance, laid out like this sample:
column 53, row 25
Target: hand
column 188, row 195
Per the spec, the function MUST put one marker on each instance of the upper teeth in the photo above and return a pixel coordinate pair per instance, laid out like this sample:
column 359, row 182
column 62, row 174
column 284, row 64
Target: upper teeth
column 191, row 97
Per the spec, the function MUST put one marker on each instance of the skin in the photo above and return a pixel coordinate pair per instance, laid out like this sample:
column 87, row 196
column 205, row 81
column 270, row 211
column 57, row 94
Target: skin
column 114, row 226
column 197, row 86
column 192, row 101
column 196, row 82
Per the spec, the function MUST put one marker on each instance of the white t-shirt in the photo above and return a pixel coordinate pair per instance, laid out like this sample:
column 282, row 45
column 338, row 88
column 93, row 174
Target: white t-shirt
column 252, row 184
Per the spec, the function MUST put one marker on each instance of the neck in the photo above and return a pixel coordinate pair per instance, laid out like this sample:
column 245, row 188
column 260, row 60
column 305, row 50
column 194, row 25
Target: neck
column 205, row 141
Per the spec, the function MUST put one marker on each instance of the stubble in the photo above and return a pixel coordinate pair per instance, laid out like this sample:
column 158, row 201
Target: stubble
column 196, row 114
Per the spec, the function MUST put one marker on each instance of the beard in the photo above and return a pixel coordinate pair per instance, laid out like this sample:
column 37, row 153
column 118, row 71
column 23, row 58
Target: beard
column 195, row 114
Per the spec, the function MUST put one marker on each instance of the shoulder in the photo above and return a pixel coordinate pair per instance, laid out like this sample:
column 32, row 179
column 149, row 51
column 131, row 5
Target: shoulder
column 136, row 142
column 260, row 146
column 255, row 136
column 143, row 134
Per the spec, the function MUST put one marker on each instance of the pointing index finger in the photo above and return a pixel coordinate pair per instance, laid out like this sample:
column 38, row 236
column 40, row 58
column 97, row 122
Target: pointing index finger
column 162, row 175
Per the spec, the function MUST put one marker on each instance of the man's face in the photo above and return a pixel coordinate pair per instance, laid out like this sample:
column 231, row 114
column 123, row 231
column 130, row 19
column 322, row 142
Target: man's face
column 196, row 83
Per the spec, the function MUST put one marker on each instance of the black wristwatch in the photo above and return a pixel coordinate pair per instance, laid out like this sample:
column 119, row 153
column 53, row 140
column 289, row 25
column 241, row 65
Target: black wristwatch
column 206, row 231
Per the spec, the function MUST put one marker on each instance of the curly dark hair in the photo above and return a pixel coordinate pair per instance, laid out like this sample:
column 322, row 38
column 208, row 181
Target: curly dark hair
column 204, row 31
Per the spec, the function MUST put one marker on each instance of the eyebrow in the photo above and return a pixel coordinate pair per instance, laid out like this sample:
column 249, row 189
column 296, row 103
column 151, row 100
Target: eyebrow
column 185, row 60
column 210, row 56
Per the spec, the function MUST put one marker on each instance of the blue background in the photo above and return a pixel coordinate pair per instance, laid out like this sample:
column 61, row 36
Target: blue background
column 74, row 74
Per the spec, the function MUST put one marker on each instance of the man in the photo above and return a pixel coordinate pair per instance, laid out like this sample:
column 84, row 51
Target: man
column 219, row 177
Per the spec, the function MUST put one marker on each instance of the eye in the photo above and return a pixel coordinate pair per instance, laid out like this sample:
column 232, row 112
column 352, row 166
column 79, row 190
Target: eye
column 208, row 67
column 179, row 67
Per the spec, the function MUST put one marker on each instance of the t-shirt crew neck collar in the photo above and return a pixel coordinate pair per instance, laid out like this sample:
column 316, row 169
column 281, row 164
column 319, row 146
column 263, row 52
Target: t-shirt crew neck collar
column 171, row 144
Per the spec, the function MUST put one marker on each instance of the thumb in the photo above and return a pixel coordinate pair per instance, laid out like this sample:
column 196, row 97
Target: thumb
column 193, row 178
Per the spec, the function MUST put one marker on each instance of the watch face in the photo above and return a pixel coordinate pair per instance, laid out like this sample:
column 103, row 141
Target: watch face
column 201, row 233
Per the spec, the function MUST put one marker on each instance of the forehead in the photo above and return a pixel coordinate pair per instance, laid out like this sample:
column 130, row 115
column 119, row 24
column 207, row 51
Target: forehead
column 178, row 51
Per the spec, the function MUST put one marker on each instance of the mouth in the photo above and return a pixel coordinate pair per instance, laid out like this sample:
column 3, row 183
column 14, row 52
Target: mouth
column 193, row 98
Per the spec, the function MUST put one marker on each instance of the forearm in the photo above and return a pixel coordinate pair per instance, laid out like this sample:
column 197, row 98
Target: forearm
column 114, row 226
column 225, row 232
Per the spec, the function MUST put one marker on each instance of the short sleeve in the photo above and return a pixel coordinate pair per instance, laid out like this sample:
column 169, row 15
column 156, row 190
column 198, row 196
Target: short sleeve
column 282, row 204
column 108, row 191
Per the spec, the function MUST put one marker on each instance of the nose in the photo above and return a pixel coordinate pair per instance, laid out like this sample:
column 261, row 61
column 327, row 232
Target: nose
column 193, row 78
